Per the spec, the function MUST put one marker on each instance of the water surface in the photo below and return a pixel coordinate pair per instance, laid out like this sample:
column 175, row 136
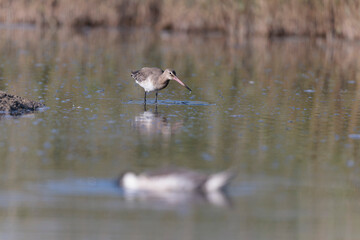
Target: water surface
column 285, row 113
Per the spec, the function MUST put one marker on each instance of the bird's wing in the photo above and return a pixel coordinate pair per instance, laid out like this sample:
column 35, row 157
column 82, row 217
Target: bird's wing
column 196, row 177
column 142, row 74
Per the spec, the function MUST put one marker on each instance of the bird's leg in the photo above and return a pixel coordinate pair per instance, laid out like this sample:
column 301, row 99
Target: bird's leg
column 145, row 98
column 156, row 97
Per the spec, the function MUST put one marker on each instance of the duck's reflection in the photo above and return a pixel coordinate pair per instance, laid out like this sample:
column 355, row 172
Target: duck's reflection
column 154, row 199
column 153, row 123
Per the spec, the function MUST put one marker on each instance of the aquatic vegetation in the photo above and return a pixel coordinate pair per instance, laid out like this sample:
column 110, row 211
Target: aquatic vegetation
column 235, row 18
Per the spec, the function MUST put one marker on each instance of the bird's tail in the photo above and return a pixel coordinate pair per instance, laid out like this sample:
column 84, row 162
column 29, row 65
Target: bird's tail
column 219, row 181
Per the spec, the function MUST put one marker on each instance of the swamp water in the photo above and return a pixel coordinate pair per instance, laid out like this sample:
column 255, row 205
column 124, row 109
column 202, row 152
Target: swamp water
column 286, row 113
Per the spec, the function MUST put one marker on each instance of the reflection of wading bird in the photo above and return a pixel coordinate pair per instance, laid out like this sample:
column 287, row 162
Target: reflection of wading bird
column 152, row 123
column 155, row 79
column 176, row 180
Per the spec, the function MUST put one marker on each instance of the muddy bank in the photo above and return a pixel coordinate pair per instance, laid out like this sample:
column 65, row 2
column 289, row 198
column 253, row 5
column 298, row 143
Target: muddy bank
column 15, row 105
column 234, row 18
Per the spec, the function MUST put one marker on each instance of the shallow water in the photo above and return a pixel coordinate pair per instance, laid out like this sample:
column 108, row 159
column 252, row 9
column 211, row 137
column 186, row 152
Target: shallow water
column 285, row 113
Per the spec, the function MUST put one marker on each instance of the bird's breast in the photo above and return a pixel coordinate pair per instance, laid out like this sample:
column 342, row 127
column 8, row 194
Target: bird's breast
column 147, row 85
column 163, row 85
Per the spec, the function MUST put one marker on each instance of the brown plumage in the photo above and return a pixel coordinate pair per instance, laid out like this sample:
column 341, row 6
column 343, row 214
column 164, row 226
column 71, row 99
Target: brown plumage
column 155, row 79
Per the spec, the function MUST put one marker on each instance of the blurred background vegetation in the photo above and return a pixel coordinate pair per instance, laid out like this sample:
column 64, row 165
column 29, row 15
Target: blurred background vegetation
column 235, row 18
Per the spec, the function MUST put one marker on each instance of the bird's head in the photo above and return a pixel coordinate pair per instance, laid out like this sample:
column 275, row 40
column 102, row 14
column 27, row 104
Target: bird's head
column 171, row 75
column 127, row 179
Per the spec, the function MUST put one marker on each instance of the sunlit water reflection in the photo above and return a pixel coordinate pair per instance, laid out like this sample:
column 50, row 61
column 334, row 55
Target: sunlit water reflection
column 285, row 113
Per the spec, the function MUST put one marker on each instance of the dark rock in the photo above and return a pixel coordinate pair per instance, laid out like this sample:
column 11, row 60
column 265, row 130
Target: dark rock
column 12, row 104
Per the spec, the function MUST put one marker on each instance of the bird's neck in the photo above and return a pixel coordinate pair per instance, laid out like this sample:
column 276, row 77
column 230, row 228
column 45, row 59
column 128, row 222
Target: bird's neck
column 162, row 82
column 163, row 79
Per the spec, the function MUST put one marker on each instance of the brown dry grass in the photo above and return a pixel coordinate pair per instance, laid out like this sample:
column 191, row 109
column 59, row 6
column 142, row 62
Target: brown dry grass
column 236, row 18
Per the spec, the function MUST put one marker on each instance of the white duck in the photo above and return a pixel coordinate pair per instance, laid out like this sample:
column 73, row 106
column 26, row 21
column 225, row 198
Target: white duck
column 174, row 179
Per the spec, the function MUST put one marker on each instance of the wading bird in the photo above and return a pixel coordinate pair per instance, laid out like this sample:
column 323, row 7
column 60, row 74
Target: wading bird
column 155, row 79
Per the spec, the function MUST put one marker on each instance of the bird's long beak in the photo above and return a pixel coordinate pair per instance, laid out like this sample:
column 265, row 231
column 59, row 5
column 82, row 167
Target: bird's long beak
column 181, row 83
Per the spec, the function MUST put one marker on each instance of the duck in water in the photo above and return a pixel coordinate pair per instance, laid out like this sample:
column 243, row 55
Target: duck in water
column 175, row 179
